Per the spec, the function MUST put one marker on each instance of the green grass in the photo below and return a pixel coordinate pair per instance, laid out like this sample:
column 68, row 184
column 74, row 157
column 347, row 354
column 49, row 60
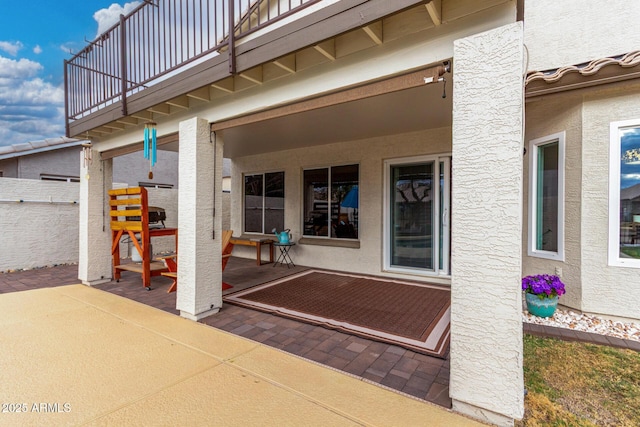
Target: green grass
column 577, row 384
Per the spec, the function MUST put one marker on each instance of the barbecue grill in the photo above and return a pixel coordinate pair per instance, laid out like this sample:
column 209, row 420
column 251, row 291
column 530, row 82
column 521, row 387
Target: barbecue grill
column 156, row 215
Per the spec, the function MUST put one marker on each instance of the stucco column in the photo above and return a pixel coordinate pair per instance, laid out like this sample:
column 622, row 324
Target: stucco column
column 94, row 250
column 486, row 327
column 199, row 253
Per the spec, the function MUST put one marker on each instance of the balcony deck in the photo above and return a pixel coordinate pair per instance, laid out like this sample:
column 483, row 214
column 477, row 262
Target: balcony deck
column 159, row 60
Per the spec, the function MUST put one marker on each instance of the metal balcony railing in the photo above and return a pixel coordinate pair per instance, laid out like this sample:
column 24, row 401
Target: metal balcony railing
column 158, row 38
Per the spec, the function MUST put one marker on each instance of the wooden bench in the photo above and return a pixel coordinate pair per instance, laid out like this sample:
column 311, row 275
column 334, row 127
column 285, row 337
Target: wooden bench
column 257, row 243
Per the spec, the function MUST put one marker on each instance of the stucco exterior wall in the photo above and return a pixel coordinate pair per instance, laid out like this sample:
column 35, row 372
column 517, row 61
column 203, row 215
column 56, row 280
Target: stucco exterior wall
column 131, row 168
column 554, row 114
column 9, row 168
column 556, row 32
column 134, row 168
column 369, row 154
column 606, row 289
column 593, row 286
column 54, row 162
column 486, row 302
column 38, row 234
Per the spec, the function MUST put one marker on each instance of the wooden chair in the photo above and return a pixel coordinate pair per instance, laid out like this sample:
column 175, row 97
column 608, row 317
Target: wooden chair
column 129, row 212
column 172, row 264
column 227, row 247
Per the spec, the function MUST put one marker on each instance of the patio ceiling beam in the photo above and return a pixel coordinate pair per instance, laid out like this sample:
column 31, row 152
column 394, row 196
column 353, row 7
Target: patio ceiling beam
column 254, row 75
column 143, row 115
column 226, row 85
column 130, row 121
column 374, row 31
column 180, row 102
column 287, row 63
column 434, row 7
column 121, row 151
column 164, row 109
column 327, row 48
column 201, row 94
column 394, row 84
column 114, row 125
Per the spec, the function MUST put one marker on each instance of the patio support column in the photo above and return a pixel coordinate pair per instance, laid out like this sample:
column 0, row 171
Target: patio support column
column 486, row 303
column 94, row 249
column 199, row 231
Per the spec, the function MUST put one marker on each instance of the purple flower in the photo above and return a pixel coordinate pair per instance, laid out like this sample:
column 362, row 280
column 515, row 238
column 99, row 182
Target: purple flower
column 543, row 285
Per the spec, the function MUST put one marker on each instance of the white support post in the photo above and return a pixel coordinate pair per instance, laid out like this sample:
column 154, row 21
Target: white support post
column 200, row 232
column 94, row 257
column 486, row 303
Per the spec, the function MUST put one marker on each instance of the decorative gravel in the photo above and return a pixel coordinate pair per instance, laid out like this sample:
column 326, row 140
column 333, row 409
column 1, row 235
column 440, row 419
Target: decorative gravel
column 587, row 323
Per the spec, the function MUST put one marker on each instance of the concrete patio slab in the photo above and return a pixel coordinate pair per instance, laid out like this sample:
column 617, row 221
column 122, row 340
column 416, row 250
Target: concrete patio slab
column 78, row 355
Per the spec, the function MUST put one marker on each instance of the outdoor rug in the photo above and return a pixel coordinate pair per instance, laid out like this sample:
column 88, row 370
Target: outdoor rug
column 415, row 316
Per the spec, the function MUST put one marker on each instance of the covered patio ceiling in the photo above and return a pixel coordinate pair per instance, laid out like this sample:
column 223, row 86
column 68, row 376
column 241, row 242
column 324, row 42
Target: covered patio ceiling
column 393, row 113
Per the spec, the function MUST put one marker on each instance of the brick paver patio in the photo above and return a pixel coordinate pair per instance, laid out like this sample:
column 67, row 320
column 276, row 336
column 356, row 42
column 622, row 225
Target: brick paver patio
column 421, row 376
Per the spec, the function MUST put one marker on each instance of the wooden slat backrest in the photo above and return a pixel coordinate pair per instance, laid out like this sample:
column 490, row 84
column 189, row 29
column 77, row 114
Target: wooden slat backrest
column 135, row 215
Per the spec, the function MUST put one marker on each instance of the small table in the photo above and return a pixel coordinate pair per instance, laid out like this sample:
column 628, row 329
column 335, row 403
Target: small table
column 284, row 258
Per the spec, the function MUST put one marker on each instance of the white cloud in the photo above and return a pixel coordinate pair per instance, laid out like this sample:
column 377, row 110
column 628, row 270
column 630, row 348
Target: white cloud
column 11, row 48
column 30, row 107
column 37, row 50
column 16, row 69
column 106, row 18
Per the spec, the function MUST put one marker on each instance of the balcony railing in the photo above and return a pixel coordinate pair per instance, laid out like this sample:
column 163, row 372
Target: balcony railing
column 158, row 38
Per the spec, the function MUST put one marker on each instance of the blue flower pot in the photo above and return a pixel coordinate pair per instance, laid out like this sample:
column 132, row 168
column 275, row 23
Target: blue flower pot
column 541, row 307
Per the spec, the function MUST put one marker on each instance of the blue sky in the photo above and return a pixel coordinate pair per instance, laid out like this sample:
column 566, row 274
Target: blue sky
column 35, row 38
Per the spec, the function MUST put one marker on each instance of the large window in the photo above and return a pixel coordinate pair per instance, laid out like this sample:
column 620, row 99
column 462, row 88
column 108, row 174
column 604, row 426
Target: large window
column 264, row 202
column 331, row 202
column 624, row 194
column 546, row 197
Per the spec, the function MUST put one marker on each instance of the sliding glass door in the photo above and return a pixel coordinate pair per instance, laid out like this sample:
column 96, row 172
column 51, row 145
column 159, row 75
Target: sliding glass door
column 417, row 217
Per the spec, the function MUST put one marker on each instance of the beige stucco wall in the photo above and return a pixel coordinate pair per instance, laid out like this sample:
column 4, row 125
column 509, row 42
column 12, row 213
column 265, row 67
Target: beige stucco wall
column 486, row 304
column 592, row 285
column 369, row 154
column 554, row 114
column 605, row 289
column 556, row 32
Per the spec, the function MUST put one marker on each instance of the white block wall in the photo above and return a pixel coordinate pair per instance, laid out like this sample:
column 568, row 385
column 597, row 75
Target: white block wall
column 38, row 234
column 44, row 234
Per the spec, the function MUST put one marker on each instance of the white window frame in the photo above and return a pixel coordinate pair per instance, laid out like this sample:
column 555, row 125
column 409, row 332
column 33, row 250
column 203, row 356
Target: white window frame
column 330, row 183
column 534, row 146
column 444, row 216
column 614, row 194
column 264, row 183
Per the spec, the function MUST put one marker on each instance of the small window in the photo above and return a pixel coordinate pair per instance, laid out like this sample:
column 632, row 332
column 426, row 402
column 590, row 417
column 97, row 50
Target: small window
column 624, row 194
column 62, row 178
column 546, row 197
column 154, row 185
column 331, row 202
column 264, row 202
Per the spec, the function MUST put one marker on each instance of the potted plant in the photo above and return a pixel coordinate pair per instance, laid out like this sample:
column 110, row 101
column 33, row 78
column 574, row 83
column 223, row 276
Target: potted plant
column 541, row 293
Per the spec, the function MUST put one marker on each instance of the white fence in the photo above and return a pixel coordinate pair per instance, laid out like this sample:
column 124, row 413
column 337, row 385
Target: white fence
column 39, row 222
